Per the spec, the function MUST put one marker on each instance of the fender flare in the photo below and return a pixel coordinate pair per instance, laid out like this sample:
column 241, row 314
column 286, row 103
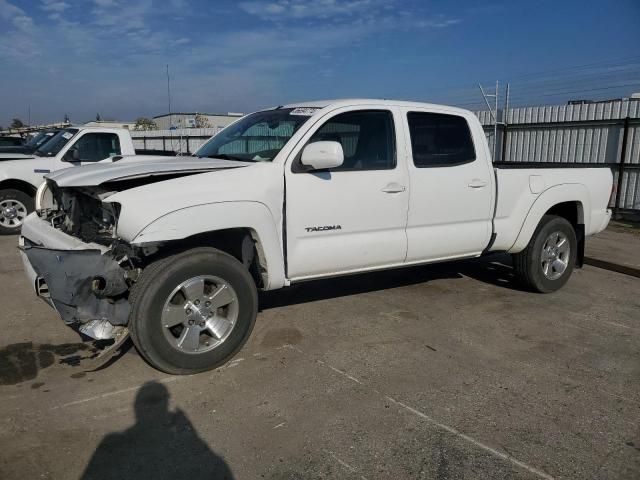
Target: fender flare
column 211, row 217
column 567, row 192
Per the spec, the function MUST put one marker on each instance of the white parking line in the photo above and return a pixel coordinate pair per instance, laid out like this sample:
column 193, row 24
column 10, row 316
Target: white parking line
column 115, row 392
column 433, row 422
column 351, row 468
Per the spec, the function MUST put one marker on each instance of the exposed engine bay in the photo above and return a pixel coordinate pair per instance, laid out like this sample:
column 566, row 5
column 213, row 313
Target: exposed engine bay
column 82, row 214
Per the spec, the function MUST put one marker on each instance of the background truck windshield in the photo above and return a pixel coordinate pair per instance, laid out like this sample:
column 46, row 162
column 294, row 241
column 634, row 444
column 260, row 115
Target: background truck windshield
column 59, row 140
column 40, row 139
column 257, row 137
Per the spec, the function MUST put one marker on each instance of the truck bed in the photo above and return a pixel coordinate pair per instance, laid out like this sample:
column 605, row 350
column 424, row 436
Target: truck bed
column 525, row 193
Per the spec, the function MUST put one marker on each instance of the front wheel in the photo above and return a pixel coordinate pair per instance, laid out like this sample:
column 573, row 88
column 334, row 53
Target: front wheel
column 14, row 207
column 546, row 263
column 192, row 311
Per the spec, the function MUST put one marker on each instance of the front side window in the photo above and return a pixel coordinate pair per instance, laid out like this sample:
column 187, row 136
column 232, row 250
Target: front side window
column 439, row 140
column 367, row 139
column 94, row 147
column 258, row 137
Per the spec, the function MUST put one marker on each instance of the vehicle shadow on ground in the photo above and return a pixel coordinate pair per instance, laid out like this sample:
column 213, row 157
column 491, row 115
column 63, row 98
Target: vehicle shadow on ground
column 495, row 270
column 161, row 445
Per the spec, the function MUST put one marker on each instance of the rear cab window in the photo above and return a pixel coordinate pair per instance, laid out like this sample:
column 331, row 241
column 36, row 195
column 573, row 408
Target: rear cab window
column 440, row 140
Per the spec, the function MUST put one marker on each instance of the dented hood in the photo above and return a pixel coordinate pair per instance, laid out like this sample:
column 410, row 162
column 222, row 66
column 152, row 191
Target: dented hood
column 132, row 167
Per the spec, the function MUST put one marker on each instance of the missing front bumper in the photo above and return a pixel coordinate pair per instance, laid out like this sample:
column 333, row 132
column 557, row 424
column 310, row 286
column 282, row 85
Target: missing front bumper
column 70, row 277
column 81, row 281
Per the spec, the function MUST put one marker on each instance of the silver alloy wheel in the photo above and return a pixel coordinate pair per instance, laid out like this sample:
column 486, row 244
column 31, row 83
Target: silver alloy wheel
column 12, row 213
column 555, row 255
column 200, row 314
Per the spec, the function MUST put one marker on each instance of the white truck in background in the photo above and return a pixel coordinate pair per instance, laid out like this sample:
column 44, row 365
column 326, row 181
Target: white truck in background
column 21, row 174
column 174, row 252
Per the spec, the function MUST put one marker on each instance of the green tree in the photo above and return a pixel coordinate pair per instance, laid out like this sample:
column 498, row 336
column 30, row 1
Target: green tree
column 144, row 123
column 17, row 123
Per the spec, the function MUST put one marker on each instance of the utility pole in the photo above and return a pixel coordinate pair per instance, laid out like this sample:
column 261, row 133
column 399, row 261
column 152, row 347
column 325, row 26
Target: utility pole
column 494, row 115
column 169, row 97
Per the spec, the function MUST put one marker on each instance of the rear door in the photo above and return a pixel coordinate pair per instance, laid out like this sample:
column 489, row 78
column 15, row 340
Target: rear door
column 451, row 186
column 352, row 217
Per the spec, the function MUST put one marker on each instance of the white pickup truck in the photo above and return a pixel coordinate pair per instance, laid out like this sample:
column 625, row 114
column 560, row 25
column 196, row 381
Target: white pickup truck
column 174, row 252
column 21, row 174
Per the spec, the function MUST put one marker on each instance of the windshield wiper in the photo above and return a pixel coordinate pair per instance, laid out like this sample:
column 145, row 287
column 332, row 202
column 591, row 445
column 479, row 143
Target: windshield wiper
column 224, row 156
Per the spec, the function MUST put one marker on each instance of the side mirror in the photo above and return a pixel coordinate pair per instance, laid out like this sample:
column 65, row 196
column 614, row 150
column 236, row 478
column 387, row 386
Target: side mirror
column 322, row 155
column 72, row 155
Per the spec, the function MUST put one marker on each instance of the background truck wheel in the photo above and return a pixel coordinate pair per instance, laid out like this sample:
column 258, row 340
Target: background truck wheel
column 14, row 207
column 547, row 262
column 192, row 311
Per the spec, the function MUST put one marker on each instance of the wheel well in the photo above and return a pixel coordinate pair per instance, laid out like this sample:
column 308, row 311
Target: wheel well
column 573, row 212
column 241, row 243
column 20, row 185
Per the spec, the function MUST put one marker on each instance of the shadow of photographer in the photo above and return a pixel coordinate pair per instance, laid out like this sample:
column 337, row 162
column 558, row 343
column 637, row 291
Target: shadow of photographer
column 161, row 445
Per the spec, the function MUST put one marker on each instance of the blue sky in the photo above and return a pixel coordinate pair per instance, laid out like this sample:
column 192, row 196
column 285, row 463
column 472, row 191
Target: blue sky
column 86, row 56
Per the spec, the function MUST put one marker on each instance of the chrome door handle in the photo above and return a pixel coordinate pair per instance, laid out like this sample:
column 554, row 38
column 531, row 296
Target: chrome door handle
column 477, row 183
column 394, row 188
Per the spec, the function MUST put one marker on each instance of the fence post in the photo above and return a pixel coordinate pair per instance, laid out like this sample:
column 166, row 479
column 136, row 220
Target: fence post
column 164, row 147
column 623, row 157
column 144, row 143
column 188, row 152
column 503, row 150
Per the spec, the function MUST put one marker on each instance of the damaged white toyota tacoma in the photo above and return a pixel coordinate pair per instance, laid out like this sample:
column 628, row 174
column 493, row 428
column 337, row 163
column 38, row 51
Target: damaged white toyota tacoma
column 173, row 252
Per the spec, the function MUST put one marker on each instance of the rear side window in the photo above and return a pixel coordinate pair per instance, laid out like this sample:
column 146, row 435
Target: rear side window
column 440, row 140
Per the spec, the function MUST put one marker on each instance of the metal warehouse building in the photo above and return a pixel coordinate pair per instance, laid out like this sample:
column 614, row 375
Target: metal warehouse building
column 216, row 121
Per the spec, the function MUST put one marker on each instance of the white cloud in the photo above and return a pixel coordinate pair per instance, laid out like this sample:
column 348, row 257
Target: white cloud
column 56, row 6
column 17, row 16
column 105, row 3
column 283, row 9
column 383, row 14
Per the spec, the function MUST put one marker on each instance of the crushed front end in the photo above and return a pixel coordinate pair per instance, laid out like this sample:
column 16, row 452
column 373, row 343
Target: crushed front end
column 74, row 260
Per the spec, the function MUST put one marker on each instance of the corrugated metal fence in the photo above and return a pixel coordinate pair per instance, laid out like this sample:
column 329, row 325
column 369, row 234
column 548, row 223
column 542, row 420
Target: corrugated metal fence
column 599, row 133
column 183, row 140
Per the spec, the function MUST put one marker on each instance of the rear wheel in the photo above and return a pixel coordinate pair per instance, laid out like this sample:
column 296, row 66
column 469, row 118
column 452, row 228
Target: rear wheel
column 14, row 207
column 547, row 262
column 192, row 311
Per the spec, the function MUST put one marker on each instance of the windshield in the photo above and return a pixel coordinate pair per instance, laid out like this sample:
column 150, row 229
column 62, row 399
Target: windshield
column 59, row 140
column 257, row 137
column 39, row 139
column 33, row 141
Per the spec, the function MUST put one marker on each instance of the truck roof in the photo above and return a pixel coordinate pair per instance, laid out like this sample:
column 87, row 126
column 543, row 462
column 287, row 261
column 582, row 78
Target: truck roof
column 343, row 102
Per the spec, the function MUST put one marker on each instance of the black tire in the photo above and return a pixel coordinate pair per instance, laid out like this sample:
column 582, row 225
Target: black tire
column 18, row 196
column 155, row 285
column 528, row 263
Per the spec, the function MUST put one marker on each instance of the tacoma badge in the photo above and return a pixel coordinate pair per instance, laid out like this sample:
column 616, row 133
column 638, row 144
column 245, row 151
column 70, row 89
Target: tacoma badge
column 323, row 228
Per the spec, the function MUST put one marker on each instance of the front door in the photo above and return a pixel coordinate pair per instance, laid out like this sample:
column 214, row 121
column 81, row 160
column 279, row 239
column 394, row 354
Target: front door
column 352, row 217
